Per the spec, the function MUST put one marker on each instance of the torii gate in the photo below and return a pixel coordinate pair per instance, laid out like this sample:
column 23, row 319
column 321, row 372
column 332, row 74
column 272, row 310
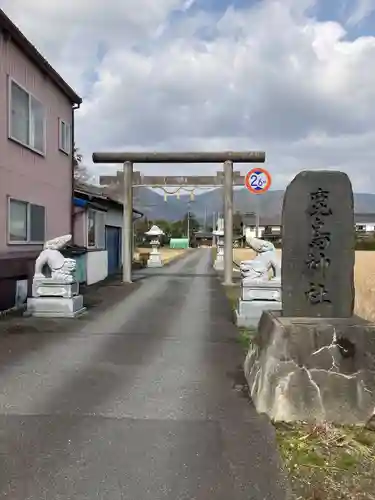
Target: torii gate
column 226, row 157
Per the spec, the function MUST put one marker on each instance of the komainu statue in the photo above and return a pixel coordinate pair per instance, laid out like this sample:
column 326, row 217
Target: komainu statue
column 51, row 265
column 266, row 266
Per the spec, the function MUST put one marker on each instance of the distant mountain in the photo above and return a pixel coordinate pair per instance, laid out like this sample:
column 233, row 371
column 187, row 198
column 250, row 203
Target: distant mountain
column 270, row 203
column 153, row 205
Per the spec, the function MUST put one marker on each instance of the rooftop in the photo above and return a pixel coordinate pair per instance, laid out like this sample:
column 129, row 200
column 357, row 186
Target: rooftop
column 365, row 218
column 99, row 193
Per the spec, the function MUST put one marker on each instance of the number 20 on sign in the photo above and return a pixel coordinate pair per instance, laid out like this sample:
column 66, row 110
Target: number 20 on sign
column 258, row 180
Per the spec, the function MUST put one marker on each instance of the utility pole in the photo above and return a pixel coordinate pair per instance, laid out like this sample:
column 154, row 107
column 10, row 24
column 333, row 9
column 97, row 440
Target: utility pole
column 127, row 230
column 205, row 218
column 228, row 223
column 213, row 229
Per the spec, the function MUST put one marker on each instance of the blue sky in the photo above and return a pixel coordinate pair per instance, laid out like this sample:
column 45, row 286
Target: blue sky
column 322, row 10
column 294, row 78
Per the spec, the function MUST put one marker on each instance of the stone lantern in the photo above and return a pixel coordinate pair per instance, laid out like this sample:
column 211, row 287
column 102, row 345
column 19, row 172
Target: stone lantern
column 155, row 234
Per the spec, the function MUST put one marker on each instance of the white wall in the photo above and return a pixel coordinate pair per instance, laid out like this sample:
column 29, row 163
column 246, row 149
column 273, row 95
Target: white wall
column 370, row 226
column 253, row 231
column 96, row 266
column 114, row 217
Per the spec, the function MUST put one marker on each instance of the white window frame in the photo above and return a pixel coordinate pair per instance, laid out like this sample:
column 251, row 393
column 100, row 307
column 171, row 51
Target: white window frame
column 28, row 225
column 97, row 245
column 63, row 126
column 11, row 82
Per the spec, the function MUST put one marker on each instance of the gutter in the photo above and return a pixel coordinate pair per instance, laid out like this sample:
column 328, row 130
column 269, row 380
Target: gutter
column 72, row 218
column 137, row 212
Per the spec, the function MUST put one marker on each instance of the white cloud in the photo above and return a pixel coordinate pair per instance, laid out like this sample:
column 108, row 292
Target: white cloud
column 173, row 77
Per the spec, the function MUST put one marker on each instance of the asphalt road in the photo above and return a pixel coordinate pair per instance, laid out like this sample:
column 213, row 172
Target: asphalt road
column 141, row 405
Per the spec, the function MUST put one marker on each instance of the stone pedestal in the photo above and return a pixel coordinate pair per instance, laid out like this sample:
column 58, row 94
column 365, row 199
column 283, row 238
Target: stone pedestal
column 219, row 261
column 155, row 259
column 313, row 369
column 256, row 298
column 55, row 307
column 248, row 313
column 47, row 287
column 262, row 290
column 55, row 299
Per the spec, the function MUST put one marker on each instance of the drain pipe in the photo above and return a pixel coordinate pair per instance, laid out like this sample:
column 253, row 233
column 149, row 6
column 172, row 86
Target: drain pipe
column 140, row 215
column 72, row 211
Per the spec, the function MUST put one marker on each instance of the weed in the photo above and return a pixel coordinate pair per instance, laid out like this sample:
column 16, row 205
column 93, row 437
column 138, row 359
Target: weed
column 246, row 337
column 327, row 462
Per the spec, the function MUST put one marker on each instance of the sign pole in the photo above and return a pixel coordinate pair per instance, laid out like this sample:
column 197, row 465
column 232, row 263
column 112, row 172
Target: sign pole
column 257, row 181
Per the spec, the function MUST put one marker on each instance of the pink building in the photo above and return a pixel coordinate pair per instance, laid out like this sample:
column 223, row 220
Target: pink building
column 36, row 158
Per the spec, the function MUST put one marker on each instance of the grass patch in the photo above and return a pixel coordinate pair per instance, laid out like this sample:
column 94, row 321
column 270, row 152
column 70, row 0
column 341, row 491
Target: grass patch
column 233, row 294
column 327, row 462
column 246, row 337
column 141, row 255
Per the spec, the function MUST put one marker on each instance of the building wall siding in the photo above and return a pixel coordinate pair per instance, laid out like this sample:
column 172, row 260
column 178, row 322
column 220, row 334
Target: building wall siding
column 80, row 227
column 114, row 217
column 24, row 174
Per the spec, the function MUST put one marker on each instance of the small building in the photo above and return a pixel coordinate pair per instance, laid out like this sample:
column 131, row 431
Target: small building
column 364, row 224
column 36, row 159
column 98, row 223
column 269, row 226
column 201, row 239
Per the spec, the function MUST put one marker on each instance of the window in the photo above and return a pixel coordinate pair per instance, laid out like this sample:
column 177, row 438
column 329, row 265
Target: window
column 360, row 227
column 26, row 222
column 95, row 229
column 65, row 138
column 27, row 119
